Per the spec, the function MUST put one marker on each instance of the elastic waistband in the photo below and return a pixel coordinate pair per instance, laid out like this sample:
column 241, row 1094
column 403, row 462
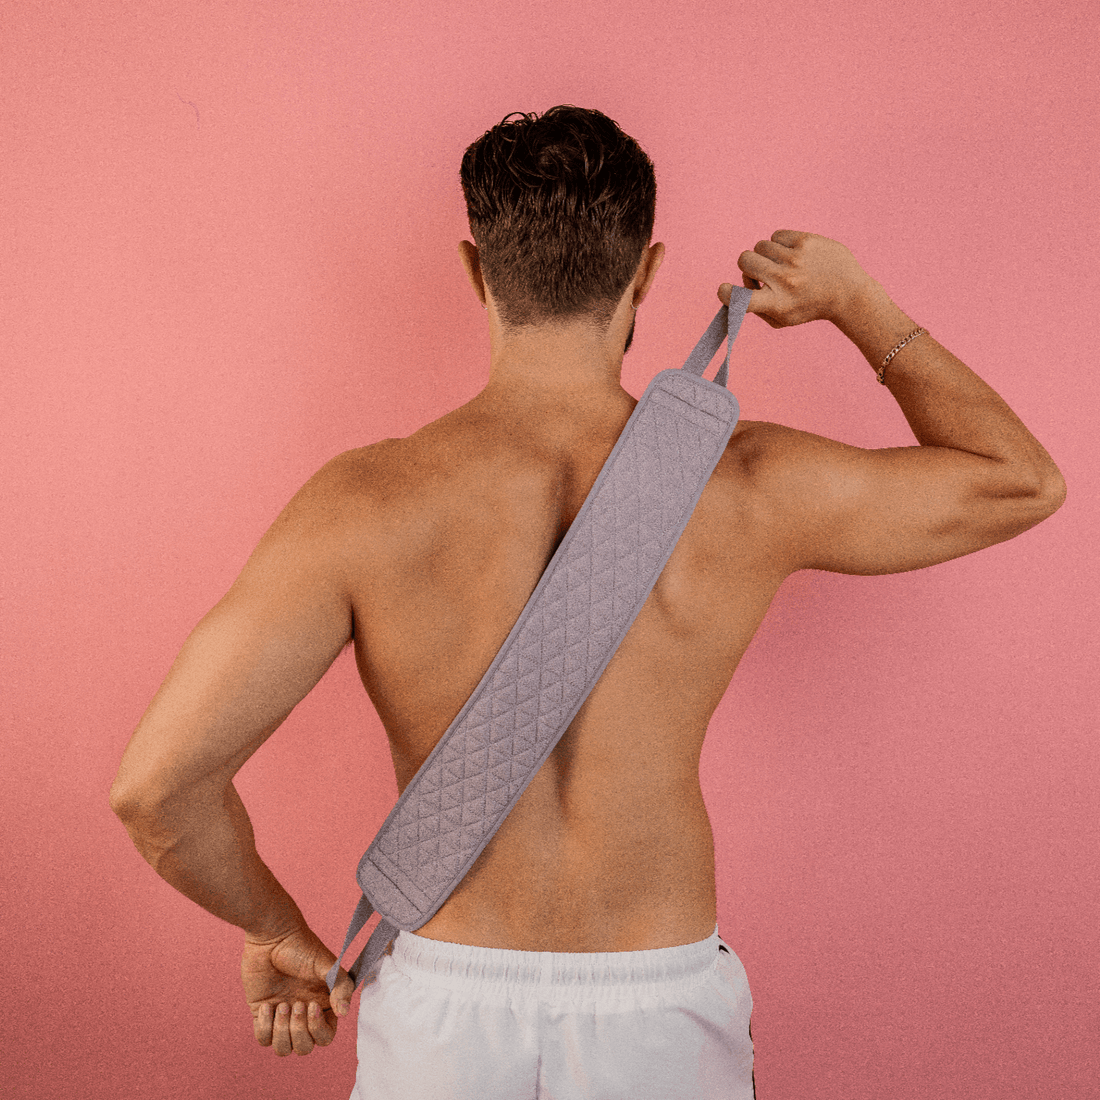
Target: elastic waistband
column 454, row 964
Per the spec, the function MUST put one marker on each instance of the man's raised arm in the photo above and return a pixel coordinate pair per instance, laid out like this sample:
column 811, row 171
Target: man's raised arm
column 978, row 477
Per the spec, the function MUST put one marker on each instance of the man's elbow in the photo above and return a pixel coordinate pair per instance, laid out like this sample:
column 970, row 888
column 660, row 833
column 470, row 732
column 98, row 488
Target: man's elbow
column 1025, row 507
column 133, row 801
column 121, row 797
column 1053, row 494
column 1046, row 494
column 153, row 830
column 133, row 808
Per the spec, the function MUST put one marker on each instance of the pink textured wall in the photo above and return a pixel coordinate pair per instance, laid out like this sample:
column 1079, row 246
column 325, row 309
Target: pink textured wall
column 229, row 253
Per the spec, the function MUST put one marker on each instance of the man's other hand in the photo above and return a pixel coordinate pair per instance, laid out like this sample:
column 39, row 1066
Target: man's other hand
column 284, row 984
column 798, row 277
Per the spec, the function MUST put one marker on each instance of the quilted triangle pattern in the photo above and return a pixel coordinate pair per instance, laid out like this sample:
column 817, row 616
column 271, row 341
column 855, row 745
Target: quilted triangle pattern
column 579, row 613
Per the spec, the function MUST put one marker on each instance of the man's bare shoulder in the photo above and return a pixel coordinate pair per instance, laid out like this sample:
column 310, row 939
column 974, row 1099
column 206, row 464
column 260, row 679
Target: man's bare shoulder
column 769, row 480
column 340, row 504
column 350, row 480
column 755, row 451
column 382, row 486
column 760, row 441
column 778, row 458
column 370, row 474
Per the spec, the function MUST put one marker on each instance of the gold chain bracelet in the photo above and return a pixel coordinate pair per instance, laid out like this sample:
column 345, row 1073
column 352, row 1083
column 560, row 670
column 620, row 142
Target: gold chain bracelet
column 911, row 336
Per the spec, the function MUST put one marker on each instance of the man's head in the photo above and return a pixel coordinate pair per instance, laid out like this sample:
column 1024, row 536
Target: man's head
column 561, row 210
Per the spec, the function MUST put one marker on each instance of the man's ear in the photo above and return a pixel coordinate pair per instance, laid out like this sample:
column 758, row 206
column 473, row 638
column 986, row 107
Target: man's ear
column 467, row 252
column 647, row 271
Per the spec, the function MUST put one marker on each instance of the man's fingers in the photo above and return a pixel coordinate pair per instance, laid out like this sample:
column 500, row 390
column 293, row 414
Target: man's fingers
column 291, row 1030
column 342, row 991
column 789, row 238
column 296, row 1028
column 725, row 292
column 772, row 251
column 300, row 1038
column 321, row 1027
column 280, row 1035
column 756, row 266
column 262, row 1025
column 762, row 268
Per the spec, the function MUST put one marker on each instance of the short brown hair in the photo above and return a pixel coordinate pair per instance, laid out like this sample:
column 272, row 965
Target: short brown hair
column 561, row 209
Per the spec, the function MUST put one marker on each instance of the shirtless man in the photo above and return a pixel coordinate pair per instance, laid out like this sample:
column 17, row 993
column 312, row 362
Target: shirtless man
column 423, row 551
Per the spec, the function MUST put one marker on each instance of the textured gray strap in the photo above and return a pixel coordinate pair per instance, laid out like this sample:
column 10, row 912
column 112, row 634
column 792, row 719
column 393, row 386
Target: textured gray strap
column 726, row 321
column 581, row 609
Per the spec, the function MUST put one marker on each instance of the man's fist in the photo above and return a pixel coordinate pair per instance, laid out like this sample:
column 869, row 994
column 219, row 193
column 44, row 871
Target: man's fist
column 798, row 277
column 284, row 984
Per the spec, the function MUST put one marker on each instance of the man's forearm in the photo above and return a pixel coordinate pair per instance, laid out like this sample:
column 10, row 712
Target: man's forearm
column 944, row 401
column 204, row 846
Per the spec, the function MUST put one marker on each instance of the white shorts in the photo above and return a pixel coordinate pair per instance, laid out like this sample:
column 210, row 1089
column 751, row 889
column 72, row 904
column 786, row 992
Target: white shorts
column 446, row 1020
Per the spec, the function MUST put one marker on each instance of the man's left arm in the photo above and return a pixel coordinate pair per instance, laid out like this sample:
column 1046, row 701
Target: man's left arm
column 247, row 664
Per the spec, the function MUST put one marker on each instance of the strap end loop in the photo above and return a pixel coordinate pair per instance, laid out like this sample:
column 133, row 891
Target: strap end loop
column 725, row 326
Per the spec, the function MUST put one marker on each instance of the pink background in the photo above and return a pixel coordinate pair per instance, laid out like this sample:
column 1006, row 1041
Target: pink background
column 228, row 254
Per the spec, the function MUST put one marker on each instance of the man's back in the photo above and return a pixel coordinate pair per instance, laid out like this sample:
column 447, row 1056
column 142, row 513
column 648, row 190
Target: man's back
column 609, row 848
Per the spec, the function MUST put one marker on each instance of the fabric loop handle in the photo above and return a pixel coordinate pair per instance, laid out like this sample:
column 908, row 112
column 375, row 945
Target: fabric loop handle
column 726, row 323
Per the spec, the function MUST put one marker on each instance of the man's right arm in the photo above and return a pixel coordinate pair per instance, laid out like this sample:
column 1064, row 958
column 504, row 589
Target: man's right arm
column 979, row 476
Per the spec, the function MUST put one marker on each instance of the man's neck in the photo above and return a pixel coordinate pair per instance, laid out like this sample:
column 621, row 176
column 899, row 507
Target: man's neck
column 558, row 363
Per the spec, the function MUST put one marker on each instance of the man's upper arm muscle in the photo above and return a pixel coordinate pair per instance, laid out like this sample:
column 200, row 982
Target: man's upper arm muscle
column 252, row 658
column 850, row 510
